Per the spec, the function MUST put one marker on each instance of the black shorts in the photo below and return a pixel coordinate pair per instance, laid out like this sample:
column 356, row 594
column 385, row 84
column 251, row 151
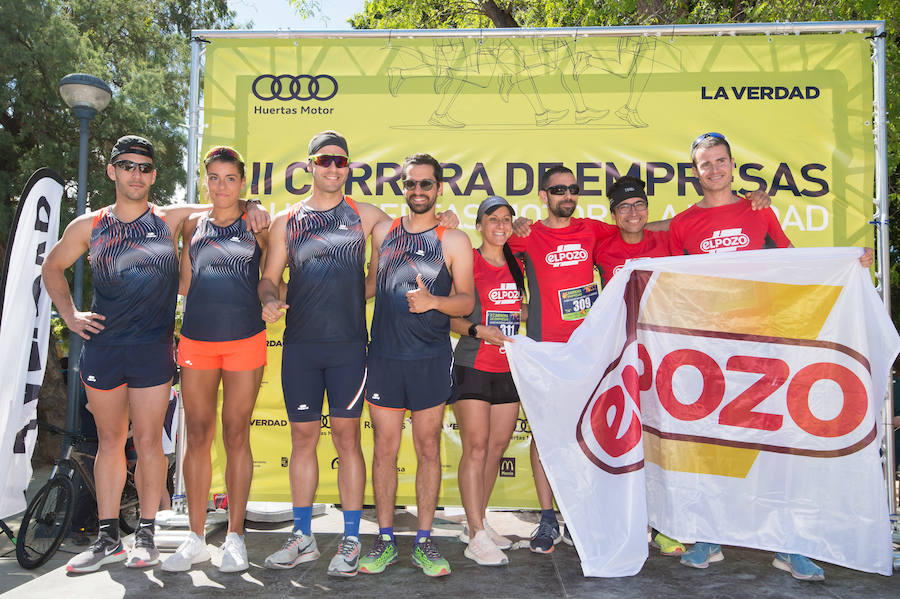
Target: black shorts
column 410, row 384
column 310, row 370
column 106, row 367
column 493, row 387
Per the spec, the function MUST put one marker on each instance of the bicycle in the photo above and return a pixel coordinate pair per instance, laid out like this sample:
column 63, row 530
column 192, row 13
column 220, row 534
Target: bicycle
column 48, row 515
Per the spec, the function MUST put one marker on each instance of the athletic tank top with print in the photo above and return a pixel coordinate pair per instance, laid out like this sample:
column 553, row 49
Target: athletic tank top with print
column 497, row 303
column 398, row 333
column 327, row 288
column 135, row 271
column 222, row 303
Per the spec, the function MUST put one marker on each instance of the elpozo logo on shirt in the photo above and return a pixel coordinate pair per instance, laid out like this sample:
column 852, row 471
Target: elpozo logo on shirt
column 725, row 240
column 566, row 255
column 714, row 399
column 507, row 293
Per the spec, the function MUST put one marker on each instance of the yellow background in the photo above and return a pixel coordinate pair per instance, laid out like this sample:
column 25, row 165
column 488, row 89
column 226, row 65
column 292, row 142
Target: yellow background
column 499, row 88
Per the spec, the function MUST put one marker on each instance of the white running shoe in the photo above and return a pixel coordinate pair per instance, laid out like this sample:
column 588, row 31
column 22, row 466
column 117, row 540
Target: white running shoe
column 298, row 549
column 191, row 551
column 499, row 540
column 234, row 554
column 144, row 554
column 483, row 551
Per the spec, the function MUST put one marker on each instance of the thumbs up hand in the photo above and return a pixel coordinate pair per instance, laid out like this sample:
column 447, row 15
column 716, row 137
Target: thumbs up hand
column 420, row 299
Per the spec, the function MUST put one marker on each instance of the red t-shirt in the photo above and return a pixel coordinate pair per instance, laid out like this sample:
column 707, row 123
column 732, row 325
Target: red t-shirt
column 729, row 228
column 613, row 252
column 560, row 269
column 497, row 303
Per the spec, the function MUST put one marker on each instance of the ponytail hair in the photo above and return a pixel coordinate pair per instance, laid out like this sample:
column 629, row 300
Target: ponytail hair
column 515, row 270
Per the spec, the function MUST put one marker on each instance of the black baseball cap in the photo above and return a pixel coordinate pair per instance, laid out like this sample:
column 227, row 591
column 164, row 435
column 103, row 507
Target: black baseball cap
column 625, row 188
column 490, row 204
column 132, row 144
column 327, row 138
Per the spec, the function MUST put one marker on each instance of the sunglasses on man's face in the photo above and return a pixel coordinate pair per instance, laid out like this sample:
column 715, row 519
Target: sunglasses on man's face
column 128, row 166
column 424, row 184
column 329, row 159
column 558, row 190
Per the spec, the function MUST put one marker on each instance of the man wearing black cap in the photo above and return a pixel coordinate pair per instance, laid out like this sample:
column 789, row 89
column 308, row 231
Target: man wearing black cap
column 629, row 207
column 127, row 364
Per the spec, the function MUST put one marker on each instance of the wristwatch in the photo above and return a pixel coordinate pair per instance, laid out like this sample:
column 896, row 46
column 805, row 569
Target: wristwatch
column 473, row 330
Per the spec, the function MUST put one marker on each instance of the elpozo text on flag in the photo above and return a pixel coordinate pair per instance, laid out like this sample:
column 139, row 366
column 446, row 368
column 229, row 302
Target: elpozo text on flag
column 732, row 398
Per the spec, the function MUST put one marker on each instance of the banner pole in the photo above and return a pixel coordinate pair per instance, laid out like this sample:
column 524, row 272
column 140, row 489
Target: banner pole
column 883, row 241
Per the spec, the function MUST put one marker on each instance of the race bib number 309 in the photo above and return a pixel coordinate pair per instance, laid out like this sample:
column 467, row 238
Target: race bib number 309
column 575, row 303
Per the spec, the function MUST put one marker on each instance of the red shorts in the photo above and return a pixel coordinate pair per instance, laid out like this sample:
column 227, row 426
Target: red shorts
column 238, row 355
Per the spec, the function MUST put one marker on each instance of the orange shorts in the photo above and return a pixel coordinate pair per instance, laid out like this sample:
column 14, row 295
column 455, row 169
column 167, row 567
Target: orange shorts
column 238, row 355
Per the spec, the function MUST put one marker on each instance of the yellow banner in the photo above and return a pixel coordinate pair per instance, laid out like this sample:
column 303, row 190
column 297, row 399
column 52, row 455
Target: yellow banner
column 499, row 111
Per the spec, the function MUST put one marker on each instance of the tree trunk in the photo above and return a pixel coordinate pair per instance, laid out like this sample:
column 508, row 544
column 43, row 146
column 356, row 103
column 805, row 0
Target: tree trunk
column 51, row 407
column 500, row 17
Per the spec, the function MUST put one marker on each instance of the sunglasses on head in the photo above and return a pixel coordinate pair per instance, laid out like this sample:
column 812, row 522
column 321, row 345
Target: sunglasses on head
column 558, row 190
column 329, row 159
column 712, row 134
column 128, row 166
column 222, row 152
column 424, row 184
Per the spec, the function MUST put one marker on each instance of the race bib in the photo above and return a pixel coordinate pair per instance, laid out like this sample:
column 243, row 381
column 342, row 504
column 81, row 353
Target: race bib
column 575, row 303
column 508, row 322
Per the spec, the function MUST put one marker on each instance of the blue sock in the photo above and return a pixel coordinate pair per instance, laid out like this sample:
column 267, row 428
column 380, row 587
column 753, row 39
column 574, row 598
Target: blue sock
column 389, row 531
column 548, row 516
column 351, row 523
column 422, row 534
column 303, row 519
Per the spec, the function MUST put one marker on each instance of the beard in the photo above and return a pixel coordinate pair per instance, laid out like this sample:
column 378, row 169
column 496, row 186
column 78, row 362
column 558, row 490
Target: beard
column 423, row 208
column 563, row 211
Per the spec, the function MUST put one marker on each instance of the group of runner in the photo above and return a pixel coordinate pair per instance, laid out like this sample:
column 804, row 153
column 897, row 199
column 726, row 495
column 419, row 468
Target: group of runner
column 426, row 279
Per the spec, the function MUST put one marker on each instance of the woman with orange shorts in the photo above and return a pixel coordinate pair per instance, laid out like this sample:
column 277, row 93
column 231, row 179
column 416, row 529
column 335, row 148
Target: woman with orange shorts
column 223, row 338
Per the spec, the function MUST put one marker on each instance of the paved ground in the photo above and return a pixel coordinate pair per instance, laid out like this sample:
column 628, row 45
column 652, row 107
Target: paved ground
column 744, row 573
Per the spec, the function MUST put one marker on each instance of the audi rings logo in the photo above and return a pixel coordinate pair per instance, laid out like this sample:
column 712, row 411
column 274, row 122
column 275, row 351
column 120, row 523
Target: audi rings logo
column 295, row 87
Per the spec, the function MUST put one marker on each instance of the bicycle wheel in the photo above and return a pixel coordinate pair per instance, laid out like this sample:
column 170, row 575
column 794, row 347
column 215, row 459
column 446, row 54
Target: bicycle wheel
column 130, row 507
column 45, row 523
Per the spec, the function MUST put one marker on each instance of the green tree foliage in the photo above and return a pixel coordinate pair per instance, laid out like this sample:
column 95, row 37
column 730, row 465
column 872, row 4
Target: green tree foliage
column 140, row 49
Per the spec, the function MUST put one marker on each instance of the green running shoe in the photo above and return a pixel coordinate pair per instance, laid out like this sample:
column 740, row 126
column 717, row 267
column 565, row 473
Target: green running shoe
column 426, row 556
column 382, row 555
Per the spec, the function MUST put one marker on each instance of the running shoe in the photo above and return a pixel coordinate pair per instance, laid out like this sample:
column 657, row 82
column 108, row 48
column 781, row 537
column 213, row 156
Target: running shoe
column 234, row 554
column 544, row 537
column 191, row 551
column 499, row 540
column 382, row 555
column 800, row 567
column 144, row 554
column 483, row 552
column 346, row 561
column 105, row 550
column 298, row 549
column 702, row 554
column 426, row 556
column 567, row 536
column 666, row 545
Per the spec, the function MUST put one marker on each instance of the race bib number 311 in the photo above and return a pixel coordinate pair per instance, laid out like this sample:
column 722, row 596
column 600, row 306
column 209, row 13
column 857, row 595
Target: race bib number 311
column 507, row 322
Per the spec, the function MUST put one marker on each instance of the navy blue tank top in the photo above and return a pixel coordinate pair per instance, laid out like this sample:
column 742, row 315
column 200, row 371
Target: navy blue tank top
column 327, row 286
column 397, row 333
column 222, row 303
column 135, row 271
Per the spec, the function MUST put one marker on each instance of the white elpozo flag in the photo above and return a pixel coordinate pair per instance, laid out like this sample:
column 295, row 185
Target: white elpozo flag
column 24, row 332
column 761, row 378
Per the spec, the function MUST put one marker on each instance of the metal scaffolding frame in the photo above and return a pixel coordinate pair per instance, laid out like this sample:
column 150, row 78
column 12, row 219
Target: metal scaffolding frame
column 875, row 29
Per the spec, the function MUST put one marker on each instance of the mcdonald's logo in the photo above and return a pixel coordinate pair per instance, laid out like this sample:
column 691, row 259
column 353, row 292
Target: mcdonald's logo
column 508, row 467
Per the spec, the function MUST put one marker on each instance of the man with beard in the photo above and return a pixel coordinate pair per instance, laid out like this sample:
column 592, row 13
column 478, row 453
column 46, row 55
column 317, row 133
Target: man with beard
column 421, row 275
column 559, row 266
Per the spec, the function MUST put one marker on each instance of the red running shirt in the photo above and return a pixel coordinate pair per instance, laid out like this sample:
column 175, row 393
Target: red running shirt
column 730, row 228
column 497, row 303
column 613, row 252
column 559, row 265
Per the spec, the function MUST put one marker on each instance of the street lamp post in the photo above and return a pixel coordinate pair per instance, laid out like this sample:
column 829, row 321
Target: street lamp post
column 86, row 95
